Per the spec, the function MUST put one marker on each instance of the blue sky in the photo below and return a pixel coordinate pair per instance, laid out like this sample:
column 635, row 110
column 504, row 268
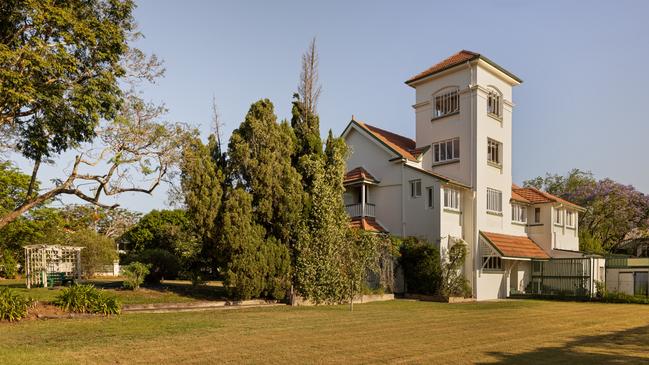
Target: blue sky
column 583, row 65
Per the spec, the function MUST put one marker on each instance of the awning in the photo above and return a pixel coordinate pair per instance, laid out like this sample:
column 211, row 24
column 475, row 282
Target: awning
column 514, row 247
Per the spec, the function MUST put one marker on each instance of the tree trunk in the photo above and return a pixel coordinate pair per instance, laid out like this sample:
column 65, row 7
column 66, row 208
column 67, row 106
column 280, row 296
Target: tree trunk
column 29, row 204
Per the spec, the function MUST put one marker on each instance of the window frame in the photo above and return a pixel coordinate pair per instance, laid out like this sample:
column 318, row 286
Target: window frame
column 494, row 263
column 494, row 103
column 452, row 196
column 570, row 223
column 430, row 197
column 415, row 188
column 446, row 102
column 491, row 145
column 518, row 211
column 498, row 200
column 442, row 148
column 558, row 216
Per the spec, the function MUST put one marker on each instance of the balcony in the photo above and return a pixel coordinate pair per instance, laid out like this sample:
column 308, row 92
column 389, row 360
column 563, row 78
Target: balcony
column 356, row 210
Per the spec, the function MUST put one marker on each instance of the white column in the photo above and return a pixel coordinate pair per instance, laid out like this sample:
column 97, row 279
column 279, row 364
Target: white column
column 363, row 200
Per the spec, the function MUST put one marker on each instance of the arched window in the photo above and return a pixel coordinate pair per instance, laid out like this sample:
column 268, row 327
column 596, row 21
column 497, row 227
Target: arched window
column 447, row 101
column 494, row 103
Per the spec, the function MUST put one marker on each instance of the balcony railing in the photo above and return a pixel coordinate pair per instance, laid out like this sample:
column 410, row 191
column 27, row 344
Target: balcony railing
column 356, row 210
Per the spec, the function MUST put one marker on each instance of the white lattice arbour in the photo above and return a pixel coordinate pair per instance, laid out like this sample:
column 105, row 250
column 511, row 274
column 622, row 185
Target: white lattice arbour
column 41, row 260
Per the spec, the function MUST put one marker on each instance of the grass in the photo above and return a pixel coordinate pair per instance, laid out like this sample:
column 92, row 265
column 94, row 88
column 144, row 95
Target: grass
column 507, row 332
column 170, row 291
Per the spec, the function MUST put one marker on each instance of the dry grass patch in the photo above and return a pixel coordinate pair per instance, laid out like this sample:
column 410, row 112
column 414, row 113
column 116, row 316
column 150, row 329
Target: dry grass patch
column 395, row 332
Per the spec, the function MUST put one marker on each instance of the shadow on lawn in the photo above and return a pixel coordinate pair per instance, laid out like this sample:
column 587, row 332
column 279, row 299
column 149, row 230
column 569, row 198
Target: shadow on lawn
column 199, row 292
column 622, row 347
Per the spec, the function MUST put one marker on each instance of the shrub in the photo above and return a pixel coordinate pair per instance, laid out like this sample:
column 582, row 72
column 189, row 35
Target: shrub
column 162, row 264
column 420, row 261
column 135, row 272
column 8, row 265
column 453, row 282
column 617, row 297
column 87, row 299
column 13, row 306
column 98, row 251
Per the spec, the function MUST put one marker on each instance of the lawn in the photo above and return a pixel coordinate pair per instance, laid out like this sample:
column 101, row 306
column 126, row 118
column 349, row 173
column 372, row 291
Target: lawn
column 169, row 291
column 506, row 332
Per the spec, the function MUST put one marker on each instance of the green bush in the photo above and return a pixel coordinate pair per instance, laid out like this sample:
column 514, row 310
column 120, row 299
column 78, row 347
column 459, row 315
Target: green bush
column 13, row 306
column 420, row 261
column 87, row 299
column 617, row 297
column 8, row 265
column 99, row 250
column 135, row 272
column 162, row 264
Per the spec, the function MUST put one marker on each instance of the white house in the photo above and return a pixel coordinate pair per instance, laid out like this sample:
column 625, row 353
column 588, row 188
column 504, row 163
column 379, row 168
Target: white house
column 454, row 180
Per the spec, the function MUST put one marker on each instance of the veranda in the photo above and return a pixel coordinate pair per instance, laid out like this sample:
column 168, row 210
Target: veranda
column 47, row 265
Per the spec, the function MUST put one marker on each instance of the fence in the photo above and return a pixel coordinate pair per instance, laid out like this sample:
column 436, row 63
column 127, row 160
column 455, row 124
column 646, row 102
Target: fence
column 562, row 277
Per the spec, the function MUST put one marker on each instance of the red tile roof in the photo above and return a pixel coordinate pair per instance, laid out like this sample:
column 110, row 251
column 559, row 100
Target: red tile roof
column 515, row 246
column 367, row 224
column 457, row 59
column 359, row 174
column 517, row 197
column 454, row 60
column 403, row 146
column 536, row 196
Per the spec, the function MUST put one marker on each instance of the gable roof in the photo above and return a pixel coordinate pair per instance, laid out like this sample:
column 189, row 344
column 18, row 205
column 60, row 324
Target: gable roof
column 402, row 146
column 457, row 59
column 536, row 196
column 514, row 246
column 359, row 174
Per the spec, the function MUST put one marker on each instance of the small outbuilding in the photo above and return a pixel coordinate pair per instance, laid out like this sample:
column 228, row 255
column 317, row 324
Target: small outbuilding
column 49, row 265
column 628, row 275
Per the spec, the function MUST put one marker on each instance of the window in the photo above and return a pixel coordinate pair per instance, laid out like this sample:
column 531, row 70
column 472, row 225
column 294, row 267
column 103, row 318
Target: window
column 570, row 218
column 537, row 215
column 494, row 103
column 448, row 150
column 493, row 151
column 519, row 213
column 429, row 195
column 558, row 217
column 415, row 188
column 446, row 103
column 494, row 200
column 451, row 199
column 492, row 263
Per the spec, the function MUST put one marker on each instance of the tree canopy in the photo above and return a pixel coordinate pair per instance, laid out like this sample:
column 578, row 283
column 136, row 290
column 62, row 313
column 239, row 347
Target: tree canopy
column 60, row 65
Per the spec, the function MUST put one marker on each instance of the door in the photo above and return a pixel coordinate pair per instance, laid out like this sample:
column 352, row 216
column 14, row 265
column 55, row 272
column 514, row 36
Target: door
column 641, row 283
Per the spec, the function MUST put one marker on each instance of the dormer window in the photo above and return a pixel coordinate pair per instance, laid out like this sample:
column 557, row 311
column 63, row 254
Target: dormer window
column 494, row 103
column 446, row 102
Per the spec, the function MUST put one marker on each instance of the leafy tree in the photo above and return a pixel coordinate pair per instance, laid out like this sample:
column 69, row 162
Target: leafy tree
column 162, row 264
column 255, row 267
column 358, row 257
column 169, row 230
column 319, row 274
column 98, row 251
column 61, row 63
column 202, row 182
column 260, row 152
column 421, row 265
column 13, row 186
column 107, row 222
